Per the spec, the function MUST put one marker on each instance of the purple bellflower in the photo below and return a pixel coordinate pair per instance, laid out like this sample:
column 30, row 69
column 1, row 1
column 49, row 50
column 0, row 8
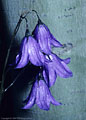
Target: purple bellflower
column 57, row 67
column 40, row 95
column 44, row 37
column 37, row 50
column 22, row 59
column 29, row 51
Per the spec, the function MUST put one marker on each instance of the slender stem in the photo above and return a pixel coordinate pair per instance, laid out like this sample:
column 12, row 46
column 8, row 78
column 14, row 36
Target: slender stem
column 26, row 23
column 14, row 80
column 8, row 52
column 36, row 13
column 5, row 64
column 27, row 33
column 39, row 20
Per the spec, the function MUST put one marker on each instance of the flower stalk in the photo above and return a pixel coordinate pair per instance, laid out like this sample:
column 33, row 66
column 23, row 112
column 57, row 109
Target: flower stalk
column 36, row 49
column 23, row 16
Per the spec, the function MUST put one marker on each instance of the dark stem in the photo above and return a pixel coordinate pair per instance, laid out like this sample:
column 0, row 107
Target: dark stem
column 39, row 20
column 8, row 53
column 14, row 80
column 27, row 33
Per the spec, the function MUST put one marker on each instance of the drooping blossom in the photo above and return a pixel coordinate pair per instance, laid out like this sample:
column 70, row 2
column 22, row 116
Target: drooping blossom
column 37, row 49
column 29, row 51
column 57, row 67
column 40, row 95
column 22, row 58
column 44, row 37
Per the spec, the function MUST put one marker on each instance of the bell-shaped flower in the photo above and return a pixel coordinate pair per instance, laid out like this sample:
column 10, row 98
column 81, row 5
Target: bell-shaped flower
column 22, row 57
column 44, row 37
column 29, row 51
column 57, row 67
column 40, row 95
column 35, row 55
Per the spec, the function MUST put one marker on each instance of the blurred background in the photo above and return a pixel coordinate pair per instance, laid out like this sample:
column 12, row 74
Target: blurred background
column 67, row 22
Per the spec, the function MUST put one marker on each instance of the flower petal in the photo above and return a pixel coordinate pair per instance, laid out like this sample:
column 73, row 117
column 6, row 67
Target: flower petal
column 60, row 67
column 62, row 71
column 43, row 95
column 52, row 77
column 22, row 58
column 54, row 102
column 53, row 41
column 43, row 39
column 48, row 97
column 33, row 51
column 50, row 74
column 67, row 61
column 30, row 103
column 38, row 102
column 66, row 68
column 42, row 57
column 46, row 78
column 32, row 96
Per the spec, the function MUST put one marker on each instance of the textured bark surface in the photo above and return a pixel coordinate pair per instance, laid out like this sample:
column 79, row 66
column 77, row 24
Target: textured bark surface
column 67, row 21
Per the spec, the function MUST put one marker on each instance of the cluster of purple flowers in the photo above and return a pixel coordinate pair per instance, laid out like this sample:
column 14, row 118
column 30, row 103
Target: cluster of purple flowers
column 37, row 49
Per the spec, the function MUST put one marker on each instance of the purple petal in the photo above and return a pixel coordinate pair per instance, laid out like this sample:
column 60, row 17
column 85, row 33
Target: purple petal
column 45, row 75
column 43, row 95
column 67, row 61
column 30, row 103
column 60, row 67
column 50, row 98
column 42, row 57
column 53, row 41
column 54, row 102
column 43, row 39
column 32, row 96
column 46, row 92
column 62, row 71
column 55, row 57
column 50, row 74
column 66, row 68
column 22, row 58
column 38, row 102
column 33, row 51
